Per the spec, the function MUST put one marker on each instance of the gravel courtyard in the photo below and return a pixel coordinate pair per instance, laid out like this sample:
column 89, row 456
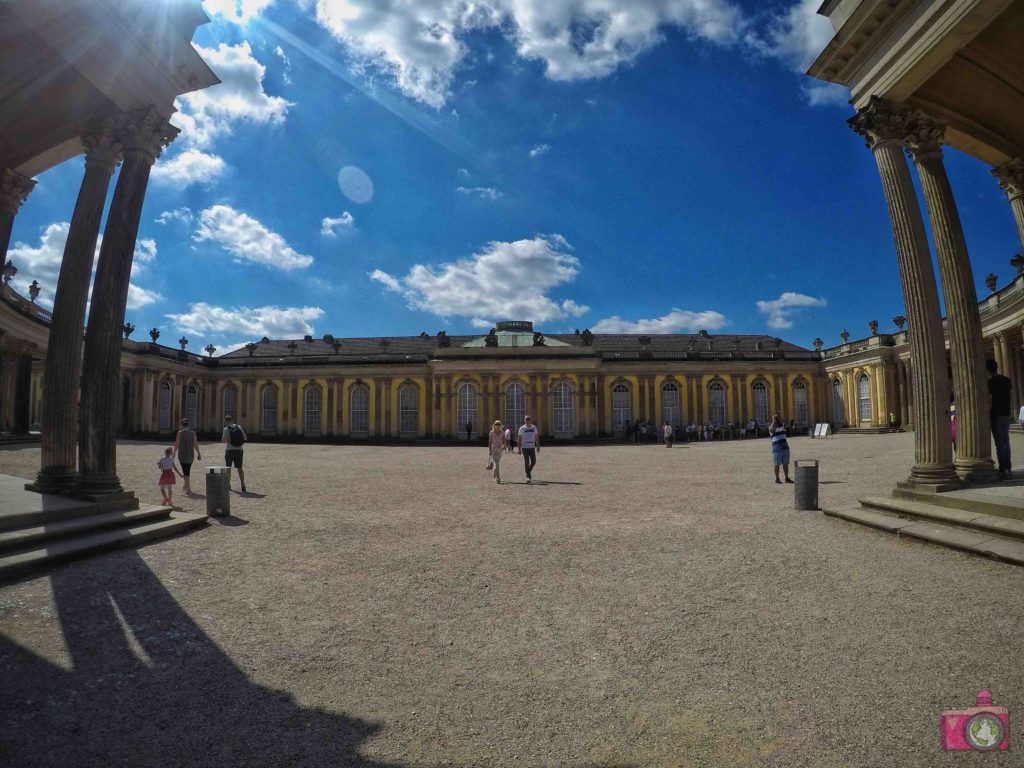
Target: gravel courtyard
column 392, row 606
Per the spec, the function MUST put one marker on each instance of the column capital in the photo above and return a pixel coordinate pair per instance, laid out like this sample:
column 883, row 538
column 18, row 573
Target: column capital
column 144, row 132
column 102, row 145
column 1010, row 176
column 14, row 188
column 924, row 136
column 880, row 120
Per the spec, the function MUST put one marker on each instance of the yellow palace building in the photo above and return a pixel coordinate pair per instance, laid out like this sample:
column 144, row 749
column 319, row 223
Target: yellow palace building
column 429, row 387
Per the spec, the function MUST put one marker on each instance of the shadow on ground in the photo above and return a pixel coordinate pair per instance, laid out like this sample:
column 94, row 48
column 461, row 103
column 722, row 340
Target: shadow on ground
column 147, row 687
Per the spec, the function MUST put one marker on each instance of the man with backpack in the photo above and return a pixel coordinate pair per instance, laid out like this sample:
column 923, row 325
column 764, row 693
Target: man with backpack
column 233, row 438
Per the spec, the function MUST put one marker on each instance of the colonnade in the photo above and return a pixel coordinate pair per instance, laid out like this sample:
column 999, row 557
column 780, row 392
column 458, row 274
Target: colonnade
column 890, row 128
column 134, row 139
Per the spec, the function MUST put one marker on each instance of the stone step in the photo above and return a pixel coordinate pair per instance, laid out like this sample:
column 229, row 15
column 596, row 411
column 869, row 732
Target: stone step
column 32, row 537
column 981, row 502
column 1006, row 548
column 1004, row 526
column 17, row 564
column 56, row 509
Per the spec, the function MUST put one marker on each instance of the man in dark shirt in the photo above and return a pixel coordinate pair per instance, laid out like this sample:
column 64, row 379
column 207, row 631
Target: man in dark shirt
column 999, row 388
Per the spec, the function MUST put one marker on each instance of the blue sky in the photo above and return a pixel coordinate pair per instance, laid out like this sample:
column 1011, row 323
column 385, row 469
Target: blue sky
column 622, row 165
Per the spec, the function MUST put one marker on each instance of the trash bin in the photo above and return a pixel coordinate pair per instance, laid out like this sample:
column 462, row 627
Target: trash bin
column 218, row 496
column 806, row 487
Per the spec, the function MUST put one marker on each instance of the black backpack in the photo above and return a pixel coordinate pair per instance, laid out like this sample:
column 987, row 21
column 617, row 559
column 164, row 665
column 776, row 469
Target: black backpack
column 236, row 437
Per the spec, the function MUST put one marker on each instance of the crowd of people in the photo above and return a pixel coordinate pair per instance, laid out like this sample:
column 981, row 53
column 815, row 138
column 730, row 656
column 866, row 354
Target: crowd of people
column 641, row 431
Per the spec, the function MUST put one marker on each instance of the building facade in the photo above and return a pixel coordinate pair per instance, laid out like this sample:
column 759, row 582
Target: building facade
column 576, row 386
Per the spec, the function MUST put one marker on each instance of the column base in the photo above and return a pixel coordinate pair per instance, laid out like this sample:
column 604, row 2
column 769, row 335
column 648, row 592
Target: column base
column 100, row 489
column 929, row 486
column 54, row 480
column 977, row 470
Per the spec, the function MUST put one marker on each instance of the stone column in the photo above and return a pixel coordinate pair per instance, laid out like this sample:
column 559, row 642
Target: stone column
column 963, row 324
column 884, row 124
column 143, row 134
column 1002, row 357
column 14, row 188
column 1011, row 179
column 904, row 395
column 64, row 350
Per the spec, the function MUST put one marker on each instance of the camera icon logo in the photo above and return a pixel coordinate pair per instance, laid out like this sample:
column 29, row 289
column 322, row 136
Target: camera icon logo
column 981, row 728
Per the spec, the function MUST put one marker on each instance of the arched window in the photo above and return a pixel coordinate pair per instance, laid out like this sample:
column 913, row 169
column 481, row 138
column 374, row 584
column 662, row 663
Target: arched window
column 716, row 402
column 562, row 408
column 864, row 397
column 622, row 407
column 164, row 423
column 229, row 398
column 192, row 406
column 799, row 402
column 408, row 410
column 312, row 401
column 670, row 403
column 466, row 413
column 268, row 410
column 359, row 409
column 515, row 405
column 838, row 412
column 759, row 390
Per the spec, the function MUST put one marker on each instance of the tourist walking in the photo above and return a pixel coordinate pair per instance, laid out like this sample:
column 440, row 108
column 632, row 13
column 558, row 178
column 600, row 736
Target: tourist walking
column 529, row 445
column 999, row 389
column 495, row 448
column 234, row 438
column 186, row 451
column 167, row 471
column 469, row 430
column 780, row 447
column 509, row 447
column 667, row 432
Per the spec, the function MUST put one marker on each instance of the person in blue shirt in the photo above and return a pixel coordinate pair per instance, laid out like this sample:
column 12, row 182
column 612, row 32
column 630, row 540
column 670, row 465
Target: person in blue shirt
column 780, row 447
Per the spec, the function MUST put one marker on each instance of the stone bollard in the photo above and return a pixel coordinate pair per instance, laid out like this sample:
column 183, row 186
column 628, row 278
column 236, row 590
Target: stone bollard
column 805, row 489
column 218, row 495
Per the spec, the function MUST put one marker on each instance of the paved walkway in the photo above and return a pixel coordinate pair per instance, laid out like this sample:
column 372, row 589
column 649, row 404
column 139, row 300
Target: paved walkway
column 636, row 606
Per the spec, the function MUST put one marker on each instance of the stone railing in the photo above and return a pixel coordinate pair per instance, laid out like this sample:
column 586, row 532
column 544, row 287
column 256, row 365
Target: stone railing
column 23, row 305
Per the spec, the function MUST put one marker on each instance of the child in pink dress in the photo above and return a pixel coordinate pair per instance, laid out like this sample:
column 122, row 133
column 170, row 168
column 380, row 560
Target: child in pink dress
column 167, row 471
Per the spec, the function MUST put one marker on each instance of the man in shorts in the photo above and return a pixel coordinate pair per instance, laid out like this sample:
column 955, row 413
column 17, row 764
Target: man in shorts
column 529, row 444
column 233, row 438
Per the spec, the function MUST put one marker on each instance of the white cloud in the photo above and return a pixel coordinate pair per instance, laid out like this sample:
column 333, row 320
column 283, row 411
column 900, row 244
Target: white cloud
column 42, row 263
column 484, row 193
column 505, row 279
column 344, row 223
column 238, row 11
column 479, row 322
column 421, row 43
column 184, row 215
column 273, row 322
column 796, row 36
column 188, row 167
column 676, row 321
column 247, row 239
column 463, row 173
column 388, row 281
column 211, row 112
column 779, row 311
column 286, row 73
column 140, row 297
column 822, row 94
column 539, row 150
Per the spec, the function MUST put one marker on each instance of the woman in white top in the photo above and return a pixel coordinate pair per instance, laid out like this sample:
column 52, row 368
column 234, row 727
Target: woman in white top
column 495, row 448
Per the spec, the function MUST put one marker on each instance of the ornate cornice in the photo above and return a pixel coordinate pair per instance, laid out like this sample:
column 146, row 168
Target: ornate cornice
column 880, row 120
column 14, row 188
column 1011, row 177
column 145, row 132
